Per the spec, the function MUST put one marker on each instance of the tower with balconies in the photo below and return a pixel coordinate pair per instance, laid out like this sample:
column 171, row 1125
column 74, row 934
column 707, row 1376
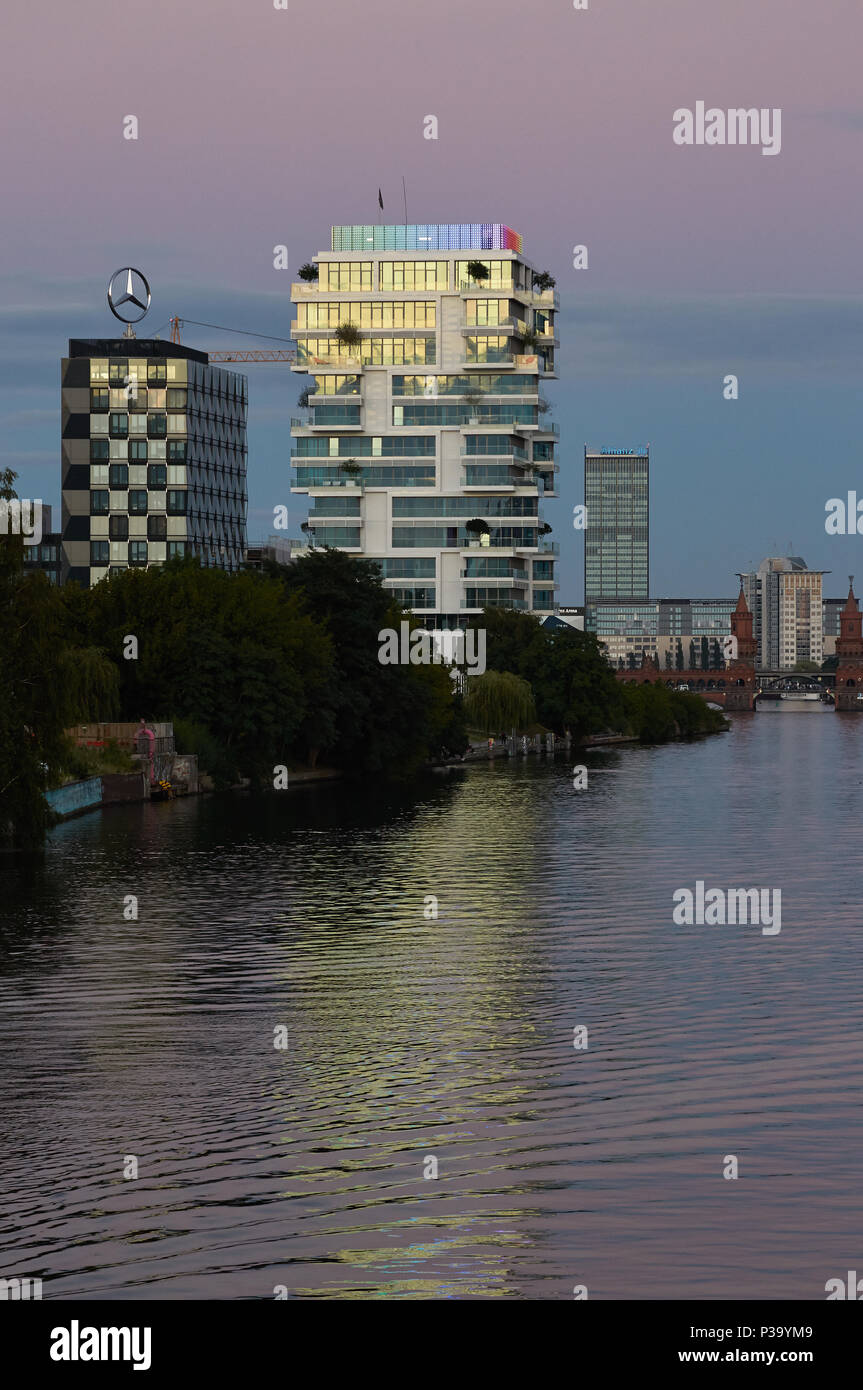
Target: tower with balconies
column 425, row 446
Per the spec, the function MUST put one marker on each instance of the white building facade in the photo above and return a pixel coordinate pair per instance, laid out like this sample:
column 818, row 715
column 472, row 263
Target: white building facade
column 425, row 446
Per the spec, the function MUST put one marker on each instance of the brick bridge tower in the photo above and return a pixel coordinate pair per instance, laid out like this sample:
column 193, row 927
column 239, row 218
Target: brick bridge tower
column 849, row 650
column 740, row 672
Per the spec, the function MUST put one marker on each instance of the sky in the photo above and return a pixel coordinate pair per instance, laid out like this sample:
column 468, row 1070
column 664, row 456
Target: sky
column 260, row 127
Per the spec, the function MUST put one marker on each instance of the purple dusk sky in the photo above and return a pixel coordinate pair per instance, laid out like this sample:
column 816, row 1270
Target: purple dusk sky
column 260, row 127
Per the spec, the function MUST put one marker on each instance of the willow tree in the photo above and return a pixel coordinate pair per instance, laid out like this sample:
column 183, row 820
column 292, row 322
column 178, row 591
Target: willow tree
column 499, row 700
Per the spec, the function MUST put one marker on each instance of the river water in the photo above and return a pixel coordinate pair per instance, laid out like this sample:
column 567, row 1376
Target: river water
column 415, row 1043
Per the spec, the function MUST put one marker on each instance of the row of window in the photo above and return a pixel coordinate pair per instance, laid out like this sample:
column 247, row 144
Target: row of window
column 365, row 446
column 118, row 424
column 104, row 553
column 490, row 384
column 421, row 476
column 102, row 399
column 138, row 450
column 435, row 413
column 175, row 502
column 376, row 352
column 403, row 276
column 464, row 506
column 396, row 313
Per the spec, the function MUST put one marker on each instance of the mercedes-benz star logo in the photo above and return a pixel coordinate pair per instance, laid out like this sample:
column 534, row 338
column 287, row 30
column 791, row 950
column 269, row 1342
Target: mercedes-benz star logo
column 134, row 294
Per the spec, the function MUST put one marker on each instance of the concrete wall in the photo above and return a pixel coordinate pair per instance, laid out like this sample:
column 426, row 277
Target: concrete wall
column 77, row 796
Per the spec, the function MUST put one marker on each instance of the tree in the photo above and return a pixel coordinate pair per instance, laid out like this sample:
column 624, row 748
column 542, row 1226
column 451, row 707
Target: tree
column 45, row 686
column 308, row 272
column 350, row 467
column 479, row 272
column 389, row 719
column 543, row 281
column 477, row 527
column 349, row 337
column 499, row 700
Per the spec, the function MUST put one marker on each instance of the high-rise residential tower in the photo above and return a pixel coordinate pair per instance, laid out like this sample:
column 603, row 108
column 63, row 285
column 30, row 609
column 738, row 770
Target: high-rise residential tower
column 616, row 538
column 426, row 447
column 153, row 457
column 785, row 598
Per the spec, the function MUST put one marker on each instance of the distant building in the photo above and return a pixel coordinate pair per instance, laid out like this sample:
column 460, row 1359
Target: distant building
column 276, row 549
column 831, row 612
column 47, row 555
column 676, row 633
column 785, row 599
column 153, row 458
column 616, row 537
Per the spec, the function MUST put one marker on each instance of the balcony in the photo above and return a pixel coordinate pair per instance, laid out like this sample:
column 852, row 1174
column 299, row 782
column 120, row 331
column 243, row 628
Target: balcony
column 472, row 287
column 477, row 577
column 497, row 480
column 304, row 289
column 344, row 417
column 550, row 299
column 308, row 362
column 493, row 359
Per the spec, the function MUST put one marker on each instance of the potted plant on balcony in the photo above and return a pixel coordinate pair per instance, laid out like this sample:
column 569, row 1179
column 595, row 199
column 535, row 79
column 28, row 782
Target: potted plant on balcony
column 308, row 530
column 350, row 468
column 349, row 337
column 308, row 272
column 543, row 530
column 473, row 400
column 477, row 528
column 479, row 273
column 543, row 281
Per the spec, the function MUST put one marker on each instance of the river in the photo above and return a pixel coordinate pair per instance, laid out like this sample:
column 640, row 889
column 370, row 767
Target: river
column 416, row 1044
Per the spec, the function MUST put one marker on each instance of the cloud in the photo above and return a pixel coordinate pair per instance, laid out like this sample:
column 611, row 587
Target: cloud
column 604, row 335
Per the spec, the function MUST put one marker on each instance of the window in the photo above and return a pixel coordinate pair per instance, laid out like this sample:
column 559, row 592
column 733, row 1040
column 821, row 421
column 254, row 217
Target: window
column 157, row 426
column 176, row 502
column 118, row 528
column 118, row 476
column 176, row 451
column 137, row 552
column 156, row 374
column 351, row 276
column 138, row 423
column 99, row 553
column 118, row 370
column 157, row 528
column 137, row 501
column 157, row 475
column 137, row 451
column 118, row 425
column 176, row 549
column 414, row 275
column 100, row 502
column 98, row 450
column 176, row 399
column 98, row 399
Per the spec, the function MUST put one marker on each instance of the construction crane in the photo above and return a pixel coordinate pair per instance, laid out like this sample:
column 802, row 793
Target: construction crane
column 286, row 354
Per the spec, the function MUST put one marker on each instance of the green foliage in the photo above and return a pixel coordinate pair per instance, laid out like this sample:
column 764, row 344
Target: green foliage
column 498, row 700
column 388, row 719
column 308, row 272
column 478, row 271
column 229, row 651
column 79, row 763
column 656, row 714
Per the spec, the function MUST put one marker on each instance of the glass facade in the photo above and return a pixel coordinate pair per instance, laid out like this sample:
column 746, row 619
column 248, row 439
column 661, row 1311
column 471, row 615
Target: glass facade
column 616, row 486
